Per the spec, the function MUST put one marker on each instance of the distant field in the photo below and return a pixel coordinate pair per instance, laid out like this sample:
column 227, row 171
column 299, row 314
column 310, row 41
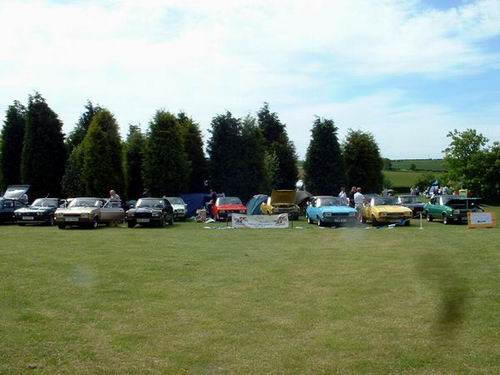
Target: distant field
column 405, row 178
column 436, row 165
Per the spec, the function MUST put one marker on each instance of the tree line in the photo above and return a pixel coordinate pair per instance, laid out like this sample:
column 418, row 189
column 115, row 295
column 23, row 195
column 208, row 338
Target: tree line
column 243, row 156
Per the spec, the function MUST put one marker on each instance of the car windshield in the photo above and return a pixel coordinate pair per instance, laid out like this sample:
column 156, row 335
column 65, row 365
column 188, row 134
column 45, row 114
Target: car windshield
column 150, row 203
column 384, row 201
column 175, row 200
column 14, row 193
column 229, row 200
column 84, row 202
column 410, row 199
column 332, row 202
column 44, row 202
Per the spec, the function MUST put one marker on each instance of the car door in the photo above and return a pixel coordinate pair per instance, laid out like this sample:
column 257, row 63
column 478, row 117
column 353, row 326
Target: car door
column 313, row 209
column 111, row 211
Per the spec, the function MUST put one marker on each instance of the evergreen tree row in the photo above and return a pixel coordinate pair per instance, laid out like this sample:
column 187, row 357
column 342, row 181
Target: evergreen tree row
column 245, row 155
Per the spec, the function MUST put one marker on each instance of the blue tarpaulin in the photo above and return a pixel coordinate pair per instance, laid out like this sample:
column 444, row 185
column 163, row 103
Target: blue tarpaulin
column 195, row 201
column 253, row 205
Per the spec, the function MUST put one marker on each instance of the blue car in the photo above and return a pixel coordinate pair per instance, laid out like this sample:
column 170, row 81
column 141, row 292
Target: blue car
column 330, row 210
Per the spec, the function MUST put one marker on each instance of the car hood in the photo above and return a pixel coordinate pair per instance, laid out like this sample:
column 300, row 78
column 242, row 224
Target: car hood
column 144, row 210
column 231, row 207
column 15, row 191
column 390, row 208
column 413, row 205
column 76, row 210
column 337, row 209
column 283, row 197
column 34, row 209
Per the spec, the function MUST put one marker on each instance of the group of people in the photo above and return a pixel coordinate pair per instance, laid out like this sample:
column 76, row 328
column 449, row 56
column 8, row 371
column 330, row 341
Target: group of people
column 354, row 199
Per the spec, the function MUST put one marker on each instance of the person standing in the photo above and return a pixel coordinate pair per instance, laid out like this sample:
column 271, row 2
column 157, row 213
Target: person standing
column 351, row 196
column 342, row 194
column 359, row 200
column 113, row 196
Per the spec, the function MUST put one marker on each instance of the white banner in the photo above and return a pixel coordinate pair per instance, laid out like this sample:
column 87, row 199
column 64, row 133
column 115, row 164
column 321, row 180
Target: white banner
column 259, row 221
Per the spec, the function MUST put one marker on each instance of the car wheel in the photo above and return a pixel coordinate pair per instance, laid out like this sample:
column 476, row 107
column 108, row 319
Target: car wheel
column 374, row 221
column 320, row 223
column 51, row 221
column 445, row 220
column 131, row 224
column 94, row 224
column 407, row 223
column 428, row 217
column 61, row 226
column 171, row 221
column 309, row 220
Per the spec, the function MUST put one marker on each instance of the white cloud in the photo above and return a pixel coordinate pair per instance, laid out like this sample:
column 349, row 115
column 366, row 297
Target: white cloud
column 204, row 57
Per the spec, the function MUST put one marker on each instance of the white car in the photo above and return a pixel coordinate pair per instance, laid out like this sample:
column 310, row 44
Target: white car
column 179, row 206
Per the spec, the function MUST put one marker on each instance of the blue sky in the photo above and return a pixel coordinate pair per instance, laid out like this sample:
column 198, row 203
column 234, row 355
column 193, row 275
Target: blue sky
column 408, row 71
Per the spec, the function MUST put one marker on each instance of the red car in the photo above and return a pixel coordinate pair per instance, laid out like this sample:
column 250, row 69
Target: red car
column 224, row 207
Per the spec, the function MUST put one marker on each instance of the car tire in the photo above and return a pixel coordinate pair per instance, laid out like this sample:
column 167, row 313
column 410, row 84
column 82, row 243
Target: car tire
column 162, row 222
column 320, row 223
column 61, row 226
column 446, row 221
column 428, row 217
column 171, row 221
column 51, row 221
column 94, row 223
column 131, row 224
column 407, row 223
column 309, row 220
column 374, row 221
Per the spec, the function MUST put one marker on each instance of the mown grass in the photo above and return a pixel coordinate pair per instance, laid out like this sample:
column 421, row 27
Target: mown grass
column 304, row 300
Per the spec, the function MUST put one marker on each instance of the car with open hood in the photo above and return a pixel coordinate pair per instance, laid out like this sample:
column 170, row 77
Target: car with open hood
column 385, row 210
column 281, row 202
column 179, row 207
column 13, row 199
column 89, row 212
column 150, row 212
column 41, row 211
column 330, row 210
column 413, row 202
column 451, row 208
column 225, row 207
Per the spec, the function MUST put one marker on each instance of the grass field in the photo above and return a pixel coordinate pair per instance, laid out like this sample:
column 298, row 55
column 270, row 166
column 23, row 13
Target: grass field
column 304, row 300
column 433, row 165
column 406, row 178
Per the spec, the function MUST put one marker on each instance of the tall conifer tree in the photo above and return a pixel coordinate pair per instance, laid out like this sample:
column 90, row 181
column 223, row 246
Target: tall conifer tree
column 12, row 144
column 44, row 153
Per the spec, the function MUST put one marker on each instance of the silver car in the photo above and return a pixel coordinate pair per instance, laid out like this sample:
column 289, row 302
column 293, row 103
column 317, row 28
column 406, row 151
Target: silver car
column 89, row 212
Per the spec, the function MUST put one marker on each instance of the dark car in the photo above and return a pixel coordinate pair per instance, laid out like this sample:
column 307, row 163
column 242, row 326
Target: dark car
column 40, row 212
column 149, row 212
column 413, row 202
column 451, row 208
column 14, row 198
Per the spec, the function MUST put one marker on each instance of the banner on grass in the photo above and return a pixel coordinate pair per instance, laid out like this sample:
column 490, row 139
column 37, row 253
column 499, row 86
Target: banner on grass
column 259, row 221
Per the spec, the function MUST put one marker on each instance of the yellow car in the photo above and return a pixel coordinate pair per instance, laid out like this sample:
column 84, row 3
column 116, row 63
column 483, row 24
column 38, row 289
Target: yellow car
column 385, row 210
column 281, row 202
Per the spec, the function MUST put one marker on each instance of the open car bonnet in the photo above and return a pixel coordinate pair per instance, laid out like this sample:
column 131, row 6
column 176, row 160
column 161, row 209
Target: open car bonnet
column 283, row 197
column 15, row 191
column 463, row 203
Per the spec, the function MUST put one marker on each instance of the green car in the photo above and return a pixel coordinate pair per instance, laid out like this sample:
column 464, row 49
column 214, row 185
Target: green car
column 451, row 208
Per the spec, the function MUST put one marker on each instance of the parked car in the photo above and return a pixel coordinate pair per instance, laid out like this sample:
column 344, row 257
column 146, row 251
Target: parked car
column 13, row 199
column 329, row 210
column 451, row 208
column 281, row 202
column 386, row 210
column 41, row 211
column 179, row 207
column 224, row 207
column 89, row 212
column 413, row 202
column 150, row 212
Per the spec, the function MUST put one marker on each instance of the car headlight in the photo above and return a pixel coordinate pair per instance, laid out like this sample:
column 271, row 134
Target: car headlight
column 352, row 213
column 156, row 214
column 456, row 212
column 242, row 211
column 383, row 214
column 84, row 216
column 39, row 213
column 130, row 214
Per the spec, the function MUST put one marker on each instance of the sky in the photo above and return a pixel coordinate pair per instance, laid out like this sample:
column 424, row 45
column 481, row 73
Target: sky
column 408, row 71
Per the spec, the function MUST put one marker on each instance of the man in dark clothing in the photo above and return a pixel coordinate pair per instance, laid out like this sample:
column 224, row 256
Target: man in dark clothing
column 351, row 196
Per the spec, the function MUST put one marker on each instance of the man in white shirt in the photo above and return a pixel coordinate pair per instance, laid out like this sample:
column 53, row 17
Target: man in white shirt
column 342, row 194
column 359, row 200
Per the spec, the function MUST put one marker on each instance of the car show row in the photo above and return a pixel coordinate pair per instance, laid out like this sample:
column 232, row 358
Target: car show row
column 322, row 210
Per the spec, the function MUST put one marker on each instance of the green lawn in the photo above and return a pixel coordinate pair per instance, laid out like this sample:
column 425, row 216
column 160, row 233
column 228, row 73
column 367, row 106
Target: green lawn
column 295, row 301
